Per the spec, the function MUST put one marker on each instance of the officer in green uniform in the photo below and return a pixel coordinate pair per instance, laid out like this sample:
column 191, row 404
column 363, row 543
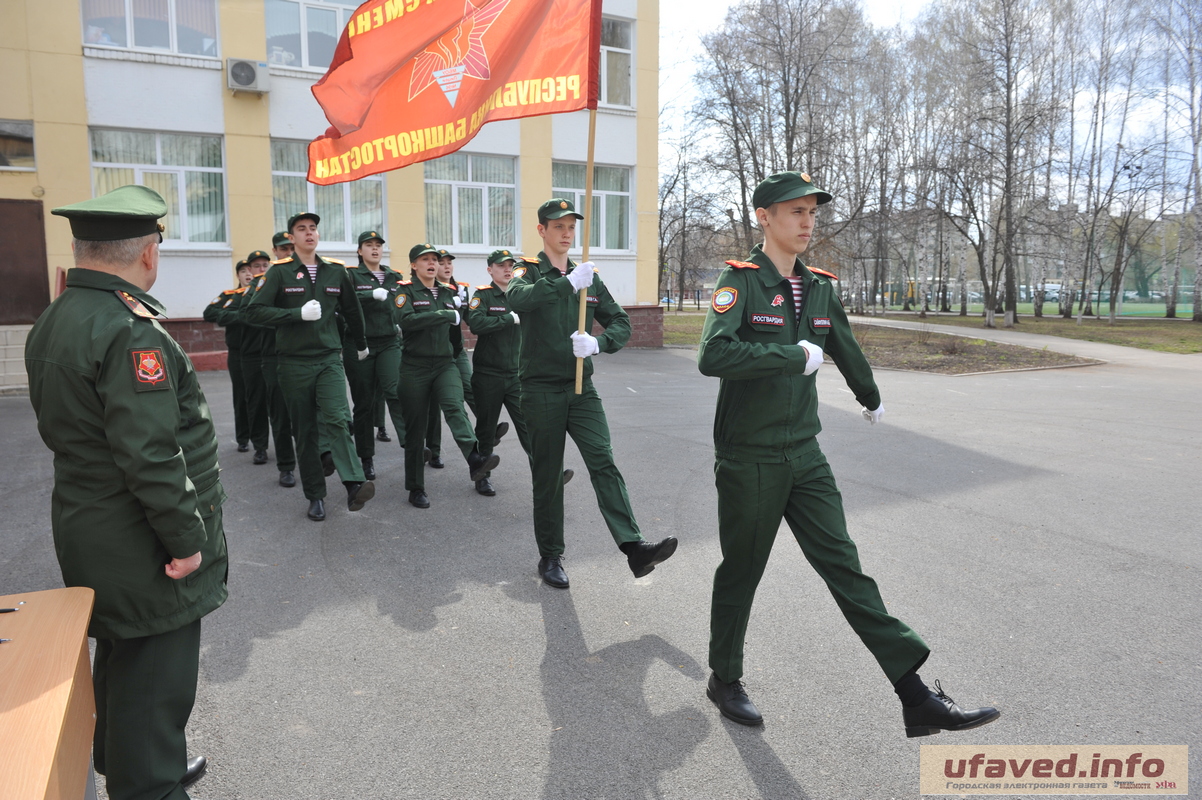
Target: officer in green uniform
column 253, row 339
column 136, row 510
column 425, row 309
column 445, row 275
column 545, row 294
column 770, row 321
column 277, row 407
column 222, row 311
column 298, row 297
column 378, row 374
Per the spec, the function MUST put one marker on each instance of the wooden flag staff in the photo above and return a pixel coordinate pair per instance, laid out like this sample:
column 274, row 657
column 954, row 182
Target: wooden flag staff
column 588, row 219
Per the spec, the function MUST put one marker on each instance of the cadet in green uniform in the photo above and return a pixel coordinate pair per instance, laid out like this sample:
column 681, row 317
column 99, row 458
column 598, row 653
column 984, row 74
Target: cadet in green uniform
column 770, row 321
column 277, row 407
column 545, row 294
column 221, row 311
column 445, row 275
column 298, row 297
column 378, row 375
column 254, row 338
column 136, row 510
column 425, row 309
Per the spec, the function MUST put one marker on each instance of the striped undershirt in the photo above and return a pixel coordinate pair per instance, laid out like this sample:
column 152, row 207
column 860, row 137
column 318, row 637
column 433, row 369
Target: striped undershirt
column 799, row 287
column 312, row 272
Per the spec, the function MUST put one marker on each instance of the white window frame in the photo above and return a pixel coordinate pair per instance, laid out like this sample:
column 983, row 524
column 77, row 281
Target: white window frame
column 577, row 198
column 33, row 140
column 345, row 15
column 485, row 222
column 172, row 32
column 170, row 242
column 603, row 86
column 311, row 203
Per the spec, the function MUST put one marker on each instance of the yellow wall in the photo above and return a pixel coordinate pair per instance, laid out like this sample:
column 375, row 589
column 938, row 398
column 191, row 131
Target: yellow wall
column 534, row 182
column 646, row 190
column 405, row 193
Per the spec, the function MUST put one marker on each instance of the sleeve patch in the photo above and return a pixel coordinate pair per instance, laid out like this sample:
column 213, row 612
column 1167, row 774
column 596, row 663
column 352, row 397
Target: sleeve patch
column 743, row 265
column 150, row 372
column 519, row 272
column 475, row 303
column 401, row 299
column 724, row 298
column 259, row 285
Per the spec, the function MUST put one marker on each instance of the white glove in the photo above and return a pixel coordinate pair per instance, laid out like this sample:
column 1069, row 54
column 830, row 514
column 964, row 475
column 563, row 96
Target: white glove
column 363, row 353
column 463, row 294
column 516, row 319
column 311, row 311
column 582, row 276
column 458, row 301
column 813, row 358
column 584, row 345
column 380, row 294
column 457, row 319
column 874, row 417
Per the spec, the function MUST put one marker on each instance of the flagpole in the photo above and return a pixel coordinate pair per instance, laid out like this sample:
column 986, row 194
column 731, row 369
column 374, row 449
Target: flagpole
column 588, row 221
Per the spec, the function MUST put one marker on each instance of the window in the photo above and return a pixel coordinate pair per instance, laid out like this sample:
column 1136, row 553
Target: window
column 610, row 229
column 16, row 144
column 186, row 169
column 346, row 209
column 616, row 54
column 302, row 34
column 471, row 200
column 188, row 27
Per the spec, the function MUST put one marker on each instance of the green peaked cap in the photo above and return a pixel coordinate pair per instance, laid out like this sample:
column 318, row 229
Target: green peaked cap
column 127, row 212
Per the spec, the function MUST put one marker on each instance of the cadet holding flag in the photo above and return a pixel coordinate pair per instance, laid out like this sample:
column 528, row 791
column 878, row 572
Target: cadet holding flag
column 770, row 321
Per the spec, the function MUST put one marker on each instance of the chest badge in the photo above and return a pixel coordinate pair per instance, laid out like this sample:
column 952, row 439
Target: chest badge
column 300, row 276
column 724, row 298
column 778, row 301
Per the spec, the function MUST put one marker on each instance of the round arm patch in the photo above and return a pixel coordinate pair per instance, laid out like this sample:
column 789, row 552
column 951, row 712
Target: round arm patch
column 724, row 298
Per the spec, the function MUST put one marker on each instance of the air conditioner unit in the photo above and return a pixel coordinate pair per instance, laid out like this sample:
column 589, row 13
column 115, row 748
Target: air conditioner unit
column 243, row 75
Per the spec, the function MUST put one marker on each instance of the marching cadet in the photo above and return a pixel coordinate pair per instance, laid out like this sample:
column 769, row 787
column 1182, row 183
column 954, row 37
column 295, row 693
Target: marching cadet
column 253, row 339
column 770, row 321
column 425, row 309
column 137, row 496
column 379, row 374
column 446, row 268
column 222, row 311
column 298, row 297
column 545, row 294
column 277, row 408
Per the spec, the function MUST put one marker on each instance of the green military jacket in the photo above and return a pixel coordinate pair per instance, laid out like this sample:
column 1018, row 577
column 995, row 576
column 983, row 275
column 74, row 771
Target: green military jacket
column 285, row 287
column 377, row 316
column 223, row 311
column 257, row 340
column 767, row 409
column 425, row 320
column 135, row 457
column 549, row 309
column 498, row 337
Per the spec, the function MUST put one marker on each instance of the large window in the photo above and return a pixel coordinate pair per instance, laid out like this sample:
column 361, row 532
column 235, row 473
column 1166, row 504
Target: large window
column 186, row 169
column 610, row 229
column 617, row 50
column 302, row 34
column 188, row 27
column 16, row 144
column 346, row 209
column 471, row 200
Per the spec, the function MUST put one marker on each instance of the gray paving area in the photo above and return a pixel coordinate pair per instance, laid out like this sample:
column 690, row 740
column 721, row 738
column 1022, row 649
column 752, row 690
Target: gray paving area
column 1039, row 529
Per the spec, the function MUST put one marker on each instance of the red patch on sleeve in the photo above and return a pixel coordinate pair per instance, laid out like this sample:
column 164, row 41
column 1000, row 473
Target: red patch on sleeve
column 150, row 371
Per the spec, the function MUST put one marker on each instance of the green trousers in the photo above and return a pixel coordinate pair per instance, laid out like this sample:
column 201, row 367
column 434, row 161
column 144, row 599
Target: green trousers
column 315, row 390
column 145, row 689
column 256, row 401
column 374, row 377
column 550, row 418
column 233, row 363
column 752, row 499
column 431, row 383
column 277, row 414
column 434, row 430
column 494, row 392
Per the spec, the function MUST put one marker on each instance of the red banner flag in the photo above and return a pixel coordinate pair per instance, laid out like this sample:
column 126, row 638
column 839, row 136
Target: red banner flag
column 413, row 80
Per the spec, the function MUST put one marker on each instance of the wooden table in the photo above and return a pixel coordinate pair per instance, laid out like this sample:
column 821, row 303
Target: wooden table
column 47, row 710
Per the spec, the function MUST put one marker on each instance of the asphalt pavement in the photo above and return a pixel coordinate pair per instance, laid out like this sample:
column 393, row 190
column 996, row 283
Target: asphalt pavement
column 1039, row 529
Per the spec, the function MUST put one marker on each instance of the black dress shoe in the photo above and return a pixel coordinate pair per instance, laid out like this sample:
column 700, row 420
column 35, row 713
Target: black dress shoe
column 260, row 457
column 502, row 429
column 485, row 488
column 243, row 447
column 940, row 712
column 436, row 462
column 327, row 463
column 643, row 556
column 317, row 510
column 287, row 479
column 357, row 494
column 369, row 469
column 418, row 498
column 732, row 700
column 382, row 435
column 479, row 466
column 567, row 475
column 550, row 569
column 195, row 771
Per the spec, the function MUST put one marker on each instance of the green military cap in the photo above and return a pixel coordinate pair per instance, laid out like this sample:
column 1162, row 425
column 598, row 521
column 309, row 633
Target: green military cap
column 497, row 256
column 555, row 208
column 242, row 265
column 295, row 218
column 786, row 186
column 367, row 236
column 444, row 253
column 257, row 254
column 127, row 212
column 280, row 239
column 419, row 250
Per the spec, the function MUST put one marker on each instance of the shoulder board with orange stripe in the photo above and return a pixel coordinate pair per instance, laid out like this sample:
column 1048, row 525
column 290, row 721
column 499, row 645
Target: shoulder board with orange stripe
column 261, row 274
column 823, row 273
column 461, row 283
column 403, row 283
column 530, row 259
column 232, row 291
column 485, row 286
column 335, row 261
column 282, row 260
column 743, row 265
